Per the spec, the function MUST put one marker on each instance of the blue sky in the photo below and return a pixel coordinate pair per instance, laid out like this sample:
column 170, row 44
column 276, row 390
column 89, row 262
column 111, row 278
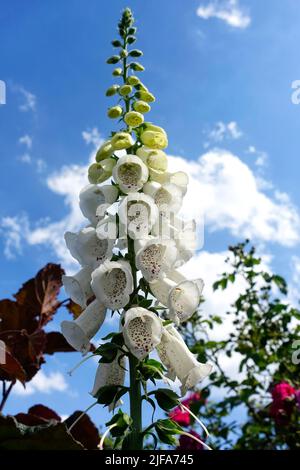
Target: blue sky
column 222, row 73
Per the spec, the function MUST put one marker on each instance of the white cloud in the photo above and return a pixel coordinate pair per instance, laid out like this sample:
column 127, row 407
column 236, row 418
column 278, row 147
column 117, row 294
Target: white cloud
column 26, row 140
column 42, row 383
column 29, row 99
column 228, row 11
column 14, row 229
column 294, row 292
column 222, row 131
column 25, row 158
column 92, row 136
column 261, row 160
column 227, row 192
column 38, row 163
column 41, row 165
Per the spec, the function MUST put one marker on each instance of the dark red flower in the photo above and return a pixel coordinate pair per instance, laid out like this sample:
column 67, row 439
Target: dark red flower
column 282, row 391
column 180, row 416
column 187, row 443
column 282, row 405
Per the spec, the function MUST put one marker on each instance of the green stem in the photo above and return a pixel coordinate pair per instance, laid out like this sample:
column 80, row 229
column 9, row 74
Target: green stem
column 135, row 396
column 136, row 437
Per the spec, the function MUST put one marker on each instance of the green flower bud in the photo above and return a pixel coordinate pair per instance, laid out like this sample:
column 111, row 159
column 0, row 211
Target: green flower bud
column 122, row 140
column 141, row 87
column 114, row 59
column 152, row 127
column 133, row 118
column 141, row 106
column 146, row 96
column 114, row 112
column 131, row 39
column 104, row 151
column 136, row 66
column 125, row 90
column 111, row 91
column 99, row 172
column 154, row 140
column 117, row 72
column 133, row 80
column 135, row 53
column 123, row 53
column 116, row 43
column 132, row 30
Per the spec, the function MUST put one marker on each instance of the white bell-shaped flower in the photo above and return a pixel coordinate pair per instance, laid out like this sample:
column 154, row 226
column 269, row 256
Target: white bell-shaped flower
column 138, row 213
column 92, row 196
column 180, row 362
column 142, row 331
column 87, row 248
column 182, row 298
column 130, row 173
column 112, row 283
column 168, row 196
column 162, row 288
column 79, row 332
column 112, row 373
column 179, row 178
column 78, row 287
column 186, row 241
column 156, row 258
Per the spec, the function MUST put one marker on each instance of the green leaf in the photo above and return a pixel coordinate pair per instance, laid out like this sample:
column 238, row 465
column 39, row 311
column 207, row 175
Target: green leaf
column 106, row 394
column 108, row 351
column 166, row 398
column 122, row 420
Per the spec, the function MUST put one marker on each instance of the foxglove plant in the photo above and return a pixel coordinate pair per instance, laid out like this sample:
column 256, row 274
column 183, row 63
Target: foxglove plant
column 129, row 253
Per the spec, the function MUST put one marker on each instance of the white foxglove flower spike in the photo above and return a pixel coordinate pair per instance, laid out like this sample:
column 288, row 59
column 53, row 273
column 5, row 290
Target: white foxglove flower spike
column 138, row 213
column 92, row 196
column 130, row 173
column 87, row 248
column 156, row 258
column 79, row 332
column 180, row 362
column 142, row 331
column 112, row 283
column 78, row 287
